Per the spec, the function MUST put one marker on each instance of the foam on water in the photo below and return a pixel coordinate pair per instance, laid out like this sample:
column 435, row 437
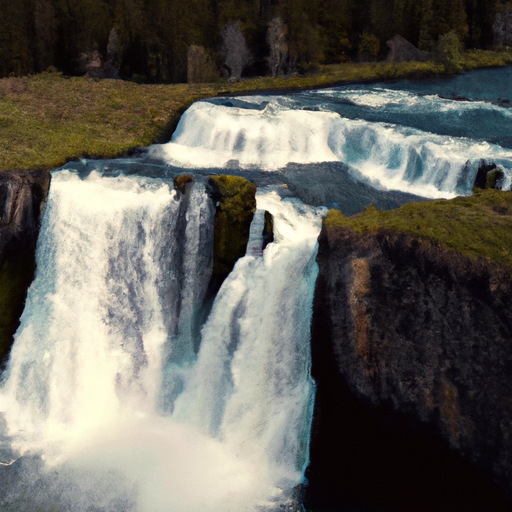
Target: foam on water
column 393, row 157
column 89, row 414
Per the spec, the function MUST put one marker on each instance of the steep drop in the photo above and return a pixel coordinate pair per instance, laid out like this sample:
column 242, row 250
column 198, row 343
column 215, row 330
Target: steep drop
column 105, row 403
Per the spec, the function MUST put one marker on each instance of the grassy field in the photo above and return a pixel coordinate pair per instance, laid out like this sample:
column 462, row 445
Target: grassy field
column 48, row 119
column 480, row 225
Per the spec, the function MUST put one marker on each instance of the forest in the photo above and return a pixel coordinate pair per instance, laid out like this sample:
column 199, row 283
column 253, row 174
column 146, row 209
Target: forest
column 162, row 41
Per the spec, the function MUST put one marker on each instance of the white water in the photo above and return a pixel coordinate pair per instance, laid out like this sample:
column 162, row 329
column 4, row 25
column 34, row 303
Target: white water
column 103, row 383
column 393, row 157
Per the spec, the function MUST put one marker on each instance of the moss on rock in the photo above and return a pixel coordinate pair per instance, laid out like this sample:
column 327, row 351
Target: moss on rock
column 477, row 226
column 235, row 211
column 181, row 181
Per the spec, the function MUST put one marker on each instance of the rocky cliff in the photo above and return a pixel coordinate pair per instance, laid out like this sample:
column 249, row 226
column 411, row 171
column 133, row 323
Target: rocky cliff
column 22, row 195
column 413, row 359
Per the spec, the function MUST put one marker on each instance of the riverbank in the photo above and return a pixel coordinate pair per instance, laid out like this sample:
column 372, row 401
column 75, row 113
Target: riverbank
column 48, row 119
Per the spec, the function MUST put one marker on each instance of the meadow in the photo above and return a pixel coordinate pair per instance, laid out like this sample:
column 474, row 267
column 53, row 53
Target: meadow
column 49, row 119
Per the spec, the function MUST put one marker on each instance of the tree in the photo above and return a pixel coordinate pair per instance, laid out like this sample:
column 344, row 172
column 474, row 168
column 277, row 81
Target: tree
column 16, row 47
column 276, row 38
column 335, row 20
column 45, row 24
column 369, row 46
column 200, row 65
column 234, row 49
column 448, row 51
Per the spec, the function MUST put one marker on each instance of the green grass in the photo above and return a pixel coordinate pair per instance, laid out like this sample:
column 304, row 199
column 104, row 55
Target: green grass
column 47, row 119
column 477, row 226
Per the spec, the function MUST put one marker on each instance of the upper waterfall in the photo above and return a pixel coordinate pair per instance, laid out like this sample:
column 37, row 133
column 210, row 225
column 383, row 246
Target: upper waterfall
column 396, row 139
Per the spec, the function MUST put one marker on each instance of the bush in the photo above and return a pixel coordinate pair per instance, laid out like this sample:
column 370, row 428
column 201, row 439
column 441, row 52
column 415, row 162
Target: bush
column 200, row 66
column 369, row 47
column 448, row 52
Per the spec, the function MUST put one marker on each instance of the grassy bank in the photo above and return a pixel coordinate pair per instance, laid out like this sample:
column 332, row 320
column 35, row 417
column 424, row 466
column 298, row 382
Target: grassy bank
column 47, row 119
column 477, row 226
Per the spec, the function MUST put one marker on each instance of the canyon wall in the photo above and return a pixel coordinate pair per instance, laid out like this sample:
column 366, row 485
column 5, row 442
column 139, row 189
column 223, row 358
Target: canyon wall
column 413, row 362
column 22, row 197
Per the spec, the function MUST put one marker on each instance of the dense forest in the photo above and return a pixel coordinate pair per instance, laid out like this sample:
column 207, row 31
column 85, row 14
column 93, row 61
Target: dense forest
column 176, row 40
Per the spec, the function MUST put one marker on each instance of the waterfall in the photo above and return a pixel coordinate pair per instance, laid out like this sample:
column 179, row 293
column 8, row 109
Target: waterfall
column 271, row 132
column 110, row 404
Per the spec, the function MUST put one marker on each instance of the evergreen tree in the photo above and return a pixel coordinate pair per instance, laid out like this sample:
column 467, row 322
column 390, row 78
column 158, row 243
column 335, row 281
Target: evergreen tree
column 45, row 24
column 83, row 26
column 305, row 42
column 335, row 18
column 16, row 46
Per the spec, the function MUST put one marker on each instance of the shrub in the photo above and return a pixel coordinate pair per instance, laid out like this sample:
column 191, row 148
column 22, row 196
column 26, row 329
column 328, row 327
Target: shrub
column 448, row 52
column 200, row 66
column 369, row 47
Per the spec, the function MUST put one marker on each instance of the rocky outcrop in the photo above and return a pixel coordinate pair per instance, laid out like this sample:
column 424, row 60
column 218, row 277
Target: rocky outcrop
column 412, row 357
column 401, row 50
column 22, row 196
column 235, row 211
column 489, row 176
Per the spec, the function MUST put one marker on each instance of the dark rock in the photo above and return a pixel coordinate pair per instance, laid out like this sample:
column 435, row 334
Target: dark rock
column 488, row 175
column 494, row 179
column 401, row 50
column 412, row 358
column 22, row 197
column 93, row 65
column 268, row 230
column 233, row 219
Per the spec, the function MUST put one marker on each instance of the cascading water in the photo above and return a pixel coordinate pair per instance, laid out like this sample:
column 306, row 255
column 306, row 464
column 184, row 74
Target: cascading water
column 107, row 407
column 398, row 140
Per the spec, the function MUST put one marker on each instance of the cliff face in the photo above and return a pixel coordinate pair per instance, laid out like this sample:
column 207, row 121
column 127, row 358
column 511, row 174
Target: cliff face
column 22, row 194
column 421, row 379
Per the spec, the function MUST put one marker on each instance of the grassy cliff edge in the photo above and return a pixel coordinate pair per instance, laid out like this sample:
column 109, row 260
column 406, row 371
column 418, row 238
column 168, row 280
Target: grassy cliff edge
column 48, row 119
column 477, row 226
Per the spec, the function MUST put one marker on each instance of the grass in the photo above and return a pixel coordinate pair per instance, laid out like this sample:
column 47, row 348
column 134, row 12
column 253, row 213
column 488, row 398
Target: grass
column 477, row 226
column 48, row 119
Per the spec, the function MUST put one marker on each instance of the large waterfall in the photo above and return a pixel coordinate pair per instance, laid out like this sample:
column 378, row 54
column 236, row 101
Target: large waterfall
column 107, row 403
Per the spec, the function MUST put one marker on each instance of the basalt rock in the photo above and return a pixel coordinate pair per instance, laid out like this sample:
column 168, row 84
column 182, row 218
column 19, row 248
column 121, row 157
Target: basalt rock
column 412, row 356
column 235, row 211
column 22, row 197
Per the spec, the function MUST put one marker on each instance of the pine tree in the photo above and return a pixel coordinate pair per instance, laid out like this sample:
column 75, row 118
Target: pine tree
column 335, row 18
column 45, row 24
column 16, row 47
column 234, row 50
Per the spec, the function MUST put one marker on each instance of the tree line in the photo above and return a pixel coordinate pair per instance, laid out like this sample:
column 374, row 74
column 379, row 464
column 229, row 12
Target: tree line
column 180, row 40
